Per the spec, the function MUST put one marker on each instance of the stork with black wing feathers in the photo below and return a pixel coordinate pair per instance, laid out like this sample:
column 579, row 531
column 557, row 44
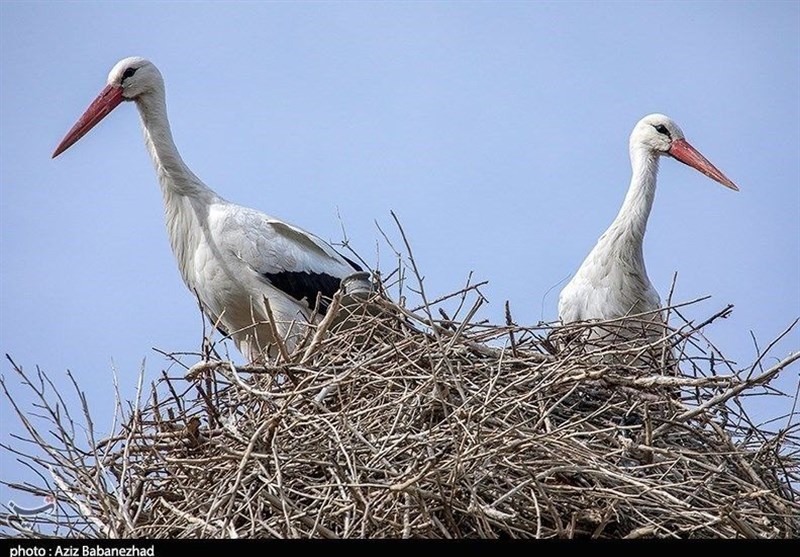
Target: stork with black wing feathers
column 242, row 264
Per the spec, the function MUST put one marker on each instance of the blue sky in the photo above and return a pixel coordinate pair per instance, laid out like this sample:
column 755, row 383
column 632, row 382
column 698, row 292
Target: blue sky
column 496, row 131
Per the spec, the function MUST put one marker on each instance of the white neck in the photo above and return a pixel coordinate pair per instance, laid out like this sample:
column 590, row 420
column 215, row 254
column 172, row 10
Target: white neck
column 173, row 174
column 626, row 233
column 186, row 198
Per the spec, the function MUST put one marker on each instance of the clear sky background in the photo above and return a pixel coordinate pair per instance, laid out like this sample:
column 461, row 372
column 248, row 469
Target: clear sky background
column 498, row 132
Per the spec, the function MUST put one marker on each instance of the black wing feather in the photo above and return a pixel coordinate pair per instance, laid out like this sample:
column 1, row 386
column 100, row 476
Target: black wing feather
column 353, row 264
column 304, row 286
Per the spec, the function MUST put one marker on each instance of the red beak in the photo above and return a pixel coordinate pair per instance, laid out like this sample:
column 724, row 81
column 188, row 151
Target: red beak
column 688, row 155
column 106, row 101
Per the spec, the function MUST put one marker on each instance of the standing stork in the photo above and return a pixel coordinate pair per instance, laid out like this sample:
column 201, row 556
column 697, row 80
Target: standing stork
column 612, row 282
column 242, row 264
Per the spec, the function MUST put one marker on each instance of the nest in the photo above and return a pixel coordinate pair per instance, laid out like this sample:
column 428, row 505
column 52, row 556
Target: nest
column 396, row 423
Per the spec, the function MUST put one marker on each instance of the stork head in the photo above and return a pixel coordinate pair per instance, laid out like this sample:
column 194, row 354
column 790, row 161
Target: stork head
column 658, row 134
column 135, row 76
column 129, row 79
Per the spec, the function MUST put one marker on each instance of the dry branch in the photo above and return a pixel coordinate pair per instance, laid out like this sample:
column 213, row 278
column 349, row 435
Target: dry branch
column 403, row 425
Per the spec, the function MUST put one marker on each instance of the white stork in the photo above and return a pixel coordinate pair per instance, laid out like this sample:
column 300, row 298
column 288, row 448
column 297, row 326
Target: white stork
column 237, row 260
column 612, row 282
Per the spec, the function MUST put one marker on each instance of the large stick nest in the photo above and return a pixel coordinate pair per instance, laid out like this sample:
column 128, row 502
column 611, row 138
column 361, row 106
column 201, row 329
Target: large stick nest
column 401, row 424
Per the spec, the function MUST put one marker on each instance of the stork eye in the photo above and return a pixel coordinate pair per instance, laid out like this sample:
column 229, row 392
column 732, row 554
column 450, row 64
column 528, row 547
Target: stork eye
column 129, row 72
column 661, row 128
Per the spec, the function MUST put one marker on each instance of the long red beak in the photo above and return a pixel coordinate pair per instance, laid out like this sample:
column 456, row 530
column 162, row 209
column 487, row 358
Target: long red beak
column 106, row 101
column 688, row 155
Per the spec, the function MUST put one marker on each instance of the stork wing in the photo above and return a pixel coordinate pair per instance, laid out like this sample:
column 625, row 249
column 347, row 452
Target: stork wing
column 292, row 260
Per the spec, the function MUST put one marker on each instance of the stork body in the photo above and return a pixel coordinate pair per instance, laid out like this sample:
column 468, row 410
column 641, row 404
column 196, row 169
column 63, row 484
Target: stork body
column 612, row 282
column 237, row 260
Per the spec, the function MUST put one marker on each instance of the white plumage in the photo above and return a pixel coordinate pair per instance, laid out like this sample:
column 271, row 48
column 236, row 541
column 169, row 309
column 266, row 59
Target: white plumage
column 234, row 258
column 612, row 282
